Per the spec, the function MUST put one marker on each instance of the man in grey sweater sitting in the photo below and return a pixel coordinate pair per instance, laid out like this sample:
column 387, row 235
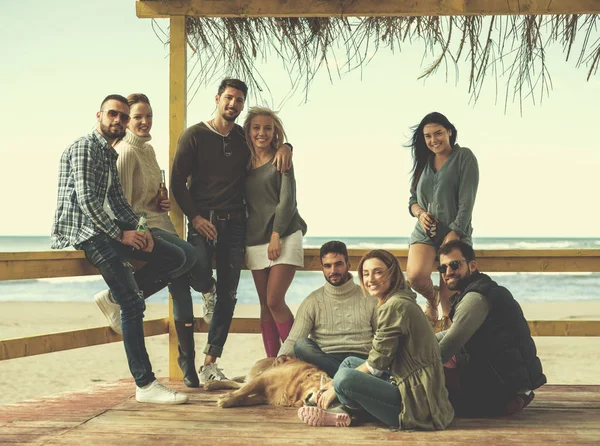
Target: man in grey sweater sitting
column 491, row 360
column 335, row 321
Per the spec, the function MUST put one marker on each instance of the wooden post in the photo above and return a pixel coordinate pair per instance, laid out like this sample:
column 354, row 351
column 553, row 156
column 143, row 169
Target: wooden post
column 177, row 124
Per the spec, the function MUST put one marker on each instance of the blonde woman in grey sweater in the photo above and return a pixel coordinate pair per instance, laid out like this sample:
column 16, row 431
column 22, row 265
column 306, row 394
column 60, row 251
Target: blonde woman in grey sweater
column 274, row 229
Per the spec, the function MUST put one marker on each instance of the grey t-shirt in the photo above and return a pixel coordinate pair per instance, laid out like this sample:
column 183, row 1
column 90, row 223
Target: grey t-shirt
column 271, row 204
column 451, row 192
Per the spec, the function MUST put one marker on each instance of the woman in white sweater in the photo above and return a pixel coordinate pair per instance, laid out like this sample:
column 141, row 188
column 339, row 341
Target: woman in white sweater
column 140, row 176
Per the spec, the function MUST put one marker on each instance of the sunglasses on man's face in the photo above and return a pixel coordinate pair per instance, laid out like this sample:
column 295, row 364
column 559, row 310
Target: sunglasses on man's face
column 454, row 265
column 226, row 146
column 114, row 113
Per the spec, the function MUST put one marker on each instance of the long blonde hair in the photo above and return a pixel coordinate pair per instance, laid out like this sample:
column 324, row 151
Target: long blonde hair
column 279, row 135
column 393, row 272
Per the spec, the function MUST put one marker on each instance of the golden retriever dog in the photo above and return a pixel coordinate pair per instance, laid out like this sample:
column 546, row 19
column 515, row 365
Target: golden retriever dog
column 291, row 383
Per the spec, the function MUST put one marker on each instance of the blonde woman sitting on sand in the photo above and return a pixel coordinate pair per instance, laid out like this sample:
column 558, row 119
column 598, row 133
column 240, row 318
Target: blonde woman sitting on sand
column 402, row 381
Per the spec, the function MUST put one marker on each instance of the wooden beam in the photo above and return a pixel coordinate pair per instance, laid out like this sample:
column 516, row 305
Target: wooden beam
column 68, row 340
column 55, row 342
column 354, row 8
column 38, row 265
column 177, row 124
column 564, row 328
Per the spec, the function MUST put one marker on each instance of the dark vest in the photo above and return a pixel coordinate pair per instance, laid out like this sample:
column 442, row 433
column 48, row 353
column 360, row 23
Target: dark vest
column 502, row 354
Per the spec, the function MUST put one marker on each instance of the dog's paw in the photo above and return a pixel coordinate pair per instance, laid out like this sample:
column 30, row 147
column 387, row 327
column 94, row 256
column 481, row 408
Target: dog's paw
column 225, row 401
column 211, row 385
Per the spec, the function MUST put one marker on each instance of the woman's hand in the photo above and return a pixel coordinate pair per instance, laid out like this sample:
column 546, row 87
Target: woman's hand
column 452, row 235
column 274, row 249
column 426, row 220
column 164, row 205
column 326, row 396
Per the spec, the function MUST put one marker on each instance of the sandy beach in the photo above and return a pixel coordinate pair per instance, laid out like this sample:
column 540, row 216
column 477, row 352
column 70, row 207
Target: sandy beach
column 566, row 360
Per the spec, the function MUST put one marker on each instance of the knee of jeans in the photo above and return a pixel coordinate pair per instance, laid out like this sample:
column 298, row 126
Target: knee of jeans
column 133, row 308
column 347, row 363
column 201, row 280
column 191, row 257
column 179, row 259
column 301, row 346
column 341, row 378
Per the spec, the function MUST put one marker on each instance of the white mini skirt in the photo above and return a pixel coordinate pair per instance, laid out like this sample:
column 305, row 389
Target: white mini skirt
column 292, row 253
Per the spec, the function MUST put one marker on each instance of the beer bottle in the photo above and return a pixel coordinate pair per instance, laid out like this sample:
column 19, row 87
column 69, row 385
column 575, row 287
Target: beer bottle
column 163, row 193
column 141, row 226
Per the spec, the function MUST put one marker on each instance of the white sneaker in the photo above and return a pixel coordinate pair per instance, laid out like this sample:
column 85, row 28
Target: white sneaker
column 157, row 393
column 110, row 309
column 208, row 299
column 211, row 372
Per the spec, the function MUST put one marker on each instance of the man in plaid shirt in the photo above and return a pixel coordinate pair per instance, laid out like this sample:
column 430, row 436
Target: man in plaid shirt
column 93, row 215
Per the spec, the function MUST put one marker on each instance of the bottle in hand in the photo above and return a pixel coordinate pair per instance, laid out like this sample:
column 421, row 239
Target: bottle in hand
column 163, row 193
column 142, row 225
column 212, row 219
column 432, row 231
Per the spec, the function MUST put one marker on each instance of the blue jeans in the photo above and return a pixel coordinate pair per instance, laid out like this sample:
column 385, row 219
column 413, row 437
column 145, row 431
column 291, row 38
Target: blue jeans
column 230, row 252
column 127, row 288
column 307, row 350
column 377, row 395
column 179, row 287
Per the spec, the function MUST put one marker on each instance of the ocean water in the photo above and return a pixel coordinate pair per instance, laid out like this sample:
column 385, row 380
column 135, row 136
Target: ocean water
column 526, row 287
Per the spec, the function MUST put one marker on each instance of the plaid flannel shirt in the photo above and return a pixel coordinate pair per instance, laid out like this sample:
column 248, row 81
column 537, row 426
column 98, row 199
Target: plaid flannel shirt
column 82, row 184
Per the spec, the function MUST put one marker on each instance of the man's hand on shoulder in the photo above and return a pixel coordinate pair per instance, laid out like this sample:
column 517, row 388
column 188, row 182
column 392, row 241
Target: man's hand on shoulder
column 283, row 158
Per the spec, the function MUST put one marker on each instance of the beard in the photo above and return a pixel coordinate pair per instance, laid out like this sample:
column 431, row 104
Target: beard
column 342, row 279
column 112, row 131
column 230, row 118
column 461, row 283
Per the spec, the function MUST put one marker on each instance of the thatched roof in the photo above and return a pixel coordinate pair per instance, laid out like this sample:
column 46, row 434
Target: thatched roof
column 507, row 49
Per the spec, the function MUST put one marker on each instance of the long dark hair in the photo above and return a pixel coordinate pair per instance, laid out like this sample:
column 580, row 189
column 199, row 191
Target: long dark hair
column 420, row 151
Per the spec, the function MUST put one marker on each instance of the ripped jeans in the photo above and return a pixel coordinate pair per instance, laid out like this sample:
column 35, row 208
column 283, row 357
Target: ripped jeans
column 127, row 288
column 230, row 252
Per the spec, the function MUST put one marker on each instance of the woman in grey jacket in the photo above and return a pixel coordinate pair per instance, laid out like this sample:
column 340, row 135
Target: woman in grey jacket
column 444, row 184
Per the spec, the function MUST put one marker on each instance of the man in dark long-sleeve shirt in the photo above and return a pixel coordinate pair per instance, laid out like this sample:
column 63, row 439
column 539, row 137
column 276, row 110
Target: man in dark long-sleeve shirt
column 497, row 367
column 214, row 155
column 93, row 215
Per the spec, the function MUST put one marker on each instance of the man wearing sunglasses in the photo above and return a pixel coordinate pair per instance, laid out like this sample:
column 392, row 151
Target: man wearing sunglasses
column 215, row 157
column 491, row 360
column 93, row 215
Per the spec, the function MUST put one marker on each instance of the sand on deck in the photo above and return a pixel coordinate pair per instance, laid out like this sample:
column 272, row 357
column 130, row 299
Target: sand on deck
column 566, row 360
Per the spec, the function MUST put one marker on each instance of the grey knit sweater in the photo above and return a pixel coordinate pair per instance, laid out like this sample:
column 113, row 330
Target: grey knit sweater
column 271, row 204
column 339, row 319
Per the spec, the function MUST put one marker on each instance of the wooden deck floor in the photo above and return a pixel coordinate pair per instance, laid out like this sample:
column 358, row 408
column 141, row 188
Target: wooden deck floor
column 109, row 415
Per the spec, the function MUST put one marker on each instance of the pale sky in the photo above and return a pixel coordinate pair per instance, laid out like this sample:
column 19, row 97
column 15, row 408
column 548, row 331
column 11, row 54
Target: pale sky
column 538, row 172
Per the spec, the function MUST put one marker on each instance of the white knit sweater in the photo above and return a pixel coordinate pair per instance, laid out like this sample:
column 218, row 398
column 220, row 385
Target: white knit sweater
column 140, row 175
column 339, row 319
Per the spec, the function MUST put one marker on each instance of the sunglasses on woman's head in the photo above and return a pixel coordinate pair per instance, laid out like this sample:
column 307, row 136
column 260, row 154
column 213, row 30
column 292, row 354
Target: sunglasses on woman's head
column 454, row 265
